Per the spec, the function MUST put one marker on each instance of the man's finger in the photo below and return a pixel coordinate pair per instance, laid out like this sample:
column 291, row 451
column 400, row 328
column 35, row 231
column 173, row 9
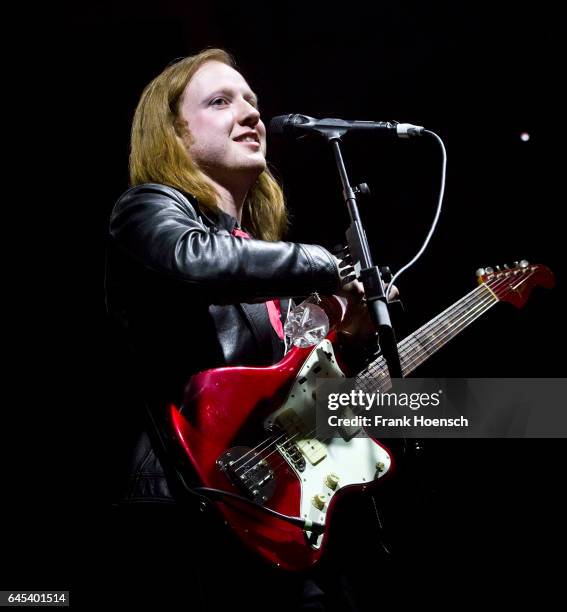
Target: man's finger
column 392, row 292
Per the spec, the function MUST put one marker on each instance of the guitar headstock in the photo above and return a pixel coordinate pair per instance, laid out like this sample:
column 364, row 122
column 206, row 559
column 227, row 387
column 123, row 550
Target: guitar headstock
column 514, row 284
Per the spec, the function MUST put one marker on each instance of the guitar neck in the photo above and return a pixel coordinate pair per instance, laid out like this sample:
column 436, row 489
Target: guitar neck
column 429, row 338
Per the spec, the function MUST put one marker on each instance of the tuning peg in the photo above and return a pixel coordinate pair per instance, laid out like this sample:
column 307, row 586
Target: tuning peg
column 480, row 272
column 506, row 267
column 524, row 264
column 489, row 270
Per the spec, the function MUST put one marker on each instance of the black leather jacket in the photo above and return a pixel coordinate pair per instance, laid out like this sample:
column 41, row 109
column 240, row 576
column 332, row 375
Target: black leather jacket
column 189, row 296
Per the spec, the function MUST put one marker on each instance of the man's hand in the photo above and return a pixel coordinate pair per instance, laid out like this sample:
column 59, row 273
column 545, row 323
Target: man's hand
column 354, row 290
column 357, row 325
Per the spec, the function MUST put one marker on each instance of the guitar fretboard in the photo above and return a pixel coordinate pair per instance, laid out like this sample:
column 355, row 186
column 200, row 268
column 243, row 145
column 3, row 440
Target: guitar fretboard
column 429, row 338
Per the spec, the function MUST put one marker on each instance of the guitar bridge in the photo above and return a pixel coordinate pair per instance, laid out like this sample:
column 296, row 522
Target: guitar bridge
column 291, row 452
column 249, row 472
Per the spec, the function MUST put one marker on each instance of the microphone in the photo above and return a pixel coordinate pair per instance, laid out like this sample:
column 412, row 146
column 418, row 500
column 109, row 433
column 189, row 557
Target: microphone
column 297, row 126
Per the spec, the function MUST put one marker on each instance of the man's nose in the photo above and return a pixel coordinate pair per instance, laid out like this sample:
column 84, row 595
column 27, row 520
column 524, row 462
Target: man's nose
column 249, row 114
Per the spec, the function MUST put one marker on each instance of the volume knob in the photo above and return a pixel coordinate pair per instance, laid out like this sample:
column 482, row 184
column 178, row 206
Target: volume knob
column 319, row 501
column 332, row 480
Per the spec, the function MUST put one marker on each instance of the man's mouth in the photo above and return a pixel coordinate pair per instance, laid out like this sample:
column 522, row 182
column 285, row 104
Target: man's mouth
column 249, row 138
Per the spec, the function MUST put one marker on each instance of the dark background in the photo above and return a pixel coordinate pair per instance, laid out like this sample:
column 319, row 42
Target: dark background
column 478, row 74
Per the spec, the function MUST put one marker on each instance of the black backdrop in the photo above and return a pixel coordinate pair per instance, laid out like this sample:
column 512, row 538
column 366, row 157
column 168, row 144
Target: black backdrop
column 477, row 74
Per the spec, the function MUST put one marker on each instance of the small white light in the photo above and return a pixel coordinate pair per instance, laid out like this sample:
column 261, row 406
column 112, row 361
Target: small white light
column 524, row 136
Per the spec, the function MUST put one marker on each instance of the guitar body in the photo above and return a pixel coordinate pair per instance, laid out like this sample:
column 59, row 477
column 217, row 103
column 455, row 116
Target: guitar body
column 239, row 430
column 249, row 432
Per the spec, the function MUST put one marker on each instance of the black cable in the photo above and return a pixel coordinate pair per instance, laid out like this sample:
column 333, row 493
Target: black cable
column 205, row 492
column 294, row 520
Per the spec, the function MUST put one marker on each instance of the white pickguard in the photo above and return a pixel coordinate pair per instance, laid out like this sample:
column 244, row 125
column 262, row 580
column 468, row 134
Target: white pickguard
column 354, row 461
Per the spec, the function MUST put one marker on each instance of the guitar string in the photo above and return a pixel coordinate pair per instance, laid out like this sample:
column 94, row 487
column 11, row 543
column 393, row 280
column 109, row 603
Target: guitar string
column 366, row 378
column 385, row 383
column 380, row 363
column 462, row 304
column 467, row 315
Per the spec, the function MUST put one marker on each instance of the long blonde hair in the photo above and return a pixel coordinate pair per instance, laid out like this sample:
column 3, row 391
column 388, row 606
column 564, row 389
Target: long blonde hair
column 158, row 156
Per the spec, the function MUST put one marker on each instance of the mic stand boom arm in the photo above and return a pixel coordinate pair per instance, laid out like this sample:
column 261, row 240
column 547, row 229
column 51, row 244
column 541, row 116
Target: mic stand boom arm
column 369, row 273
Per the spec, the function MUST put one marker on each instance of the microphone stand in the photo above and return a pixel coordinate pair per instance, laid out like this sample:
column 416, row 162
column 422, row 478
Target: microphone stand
column 369, row 273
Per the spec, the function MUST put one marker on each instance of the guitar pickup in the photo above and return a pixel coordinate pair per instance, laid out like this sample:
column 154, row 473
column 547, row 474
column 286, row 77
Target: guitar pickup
column 312, row 449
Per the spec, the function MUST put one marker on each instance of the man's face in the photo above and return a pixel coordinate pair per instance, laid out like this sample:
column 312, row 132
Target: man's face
column 228, row 139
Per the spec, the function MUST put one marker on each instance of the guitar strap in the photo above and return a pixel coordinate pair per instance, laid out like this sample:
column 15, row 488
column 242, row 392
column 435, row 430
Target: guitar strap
column 256, row 316
column 270, row 347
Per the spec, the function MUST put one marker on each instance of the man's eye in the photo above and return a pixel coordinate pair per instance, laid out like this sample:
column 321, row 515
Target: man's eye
column 218, row 101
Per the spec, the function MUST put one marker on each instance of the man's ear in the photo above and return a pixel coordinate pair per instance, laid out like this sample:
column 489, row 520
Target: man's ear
column 182, row 132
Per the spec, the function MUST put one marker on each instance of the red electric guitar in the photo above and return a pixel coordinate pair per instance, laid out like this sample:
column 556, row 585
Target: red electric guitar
column 248, row 432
